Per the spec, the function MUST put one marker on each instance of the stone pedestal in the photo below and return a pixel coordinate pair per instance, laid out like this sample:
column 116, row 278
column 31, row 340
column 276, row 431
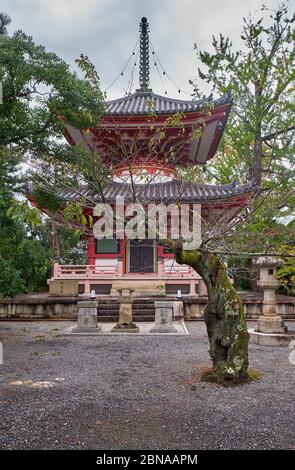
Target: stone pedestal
column 87, row 317
column 194, row 311
column 125, row 324
column 178, row 310
column 163, row 318
column 139, row 287
column 202, row 288
column 271, row 324
column 270, row 329
column 65, row 287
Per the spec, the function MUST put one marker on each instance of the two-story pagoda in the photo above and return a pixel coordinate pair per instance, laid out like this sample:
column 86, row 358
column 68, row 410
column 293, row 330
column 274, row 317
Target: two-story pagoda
column 147, row 173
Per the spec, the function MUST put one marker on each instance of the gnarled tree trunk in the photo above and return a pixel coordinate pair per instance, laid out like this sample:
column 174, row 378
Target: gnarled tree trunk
column 224, row 317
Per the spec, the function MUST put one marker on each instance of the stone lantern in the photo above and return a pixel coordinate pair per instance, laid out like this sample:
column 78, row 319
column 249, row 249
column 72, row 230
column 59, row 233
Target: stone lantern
column 125, row 323
column 270, row 329
column 270, row 321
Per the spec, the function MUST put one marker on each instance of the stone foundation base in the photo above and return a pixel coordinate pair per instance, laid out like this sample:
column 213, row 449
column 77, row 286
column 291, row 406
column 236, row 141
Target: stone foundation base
column 164, row 330
column 74, row 331
column 97, row 329
column 65, row 287
column 178, row 311
column 140, row 287
column 144, row 330
column 273, row 324
column 125, row 328
column 271, row 339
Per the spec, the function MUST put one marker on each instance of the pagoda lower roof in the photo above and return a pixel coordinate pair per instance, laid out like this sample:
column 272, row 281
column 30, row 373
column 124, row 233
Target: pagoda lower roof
column 168, row 192
column 145, row 103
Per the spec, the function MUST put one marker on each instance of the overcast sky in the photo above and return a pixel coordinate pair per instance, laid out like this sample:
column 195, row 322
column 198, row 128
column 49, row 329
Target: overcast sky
column 107, row 30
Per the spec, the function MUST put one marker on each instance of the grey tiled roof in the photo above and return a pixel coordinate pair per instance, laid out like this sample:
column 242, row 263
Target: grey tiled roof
column 145, row 103
column 172, row 191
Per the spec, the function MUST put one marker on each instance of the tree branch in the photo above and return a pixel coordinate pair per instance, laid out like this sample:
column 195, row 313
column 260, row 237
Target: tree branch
column 275, row 134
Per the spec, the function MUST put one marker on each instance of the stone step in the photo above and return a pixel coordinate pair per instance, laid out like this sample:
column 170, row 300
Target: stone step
column 135, row 299
column 146, row 311
column 115, row 319
column 111, row 300
column 107, row 319
column 135, row 311
column 143, row 310
column 143, row 318
column 108, row 312
column 116, row 304
column 143, row 304
column 113, row 306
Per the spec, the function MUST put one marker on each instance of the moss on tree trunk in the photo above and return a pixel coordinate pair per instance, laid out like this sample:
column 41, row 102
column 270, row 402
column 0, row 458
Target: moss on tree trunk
column 224, row 317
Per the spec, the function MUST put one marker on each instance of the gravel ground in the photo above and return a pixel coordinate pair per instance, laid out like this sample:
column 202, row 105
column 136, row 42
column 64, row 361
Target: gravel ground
column 136, row 393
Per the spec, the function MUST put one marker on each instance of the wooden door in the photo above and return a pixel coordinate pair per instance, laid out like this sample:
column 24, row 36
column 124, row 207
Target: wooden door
column 141, row 256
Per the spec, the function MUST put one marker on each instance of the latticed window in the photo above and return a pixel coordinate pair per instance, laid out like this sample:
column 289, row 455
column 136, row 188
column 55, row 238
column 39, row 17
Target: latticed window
column 107, row 246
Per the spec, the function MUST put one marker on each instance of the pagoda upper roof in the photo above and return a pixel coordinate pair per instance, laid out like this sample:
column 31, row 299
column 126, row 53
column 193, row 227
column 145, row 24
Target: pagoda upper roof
column 145, row 103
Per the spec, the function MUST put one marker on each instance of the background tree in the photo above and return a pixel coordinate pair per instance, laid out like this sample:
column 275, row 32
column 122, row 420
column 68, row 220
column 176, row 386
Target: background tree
column 39, row 94
column 5, row 20
column 259, row 139
column 26, row 250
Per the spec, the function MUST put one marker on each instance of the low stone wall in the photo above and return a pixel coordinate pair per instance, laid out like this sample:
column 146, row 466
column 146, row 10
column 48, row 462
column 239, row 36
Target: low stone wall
column 44, row 306
column 39, row 307
column 194, row 306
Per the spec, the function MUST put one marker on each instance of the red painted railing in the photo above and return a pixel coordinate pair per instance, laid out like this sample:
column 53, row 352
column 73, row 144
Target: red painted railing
column 70, row 271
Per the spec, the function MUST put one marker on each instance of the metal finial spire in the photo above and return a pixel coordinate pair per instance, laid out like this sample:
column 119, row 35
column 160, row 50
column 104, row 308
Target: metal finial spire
column 144, row 67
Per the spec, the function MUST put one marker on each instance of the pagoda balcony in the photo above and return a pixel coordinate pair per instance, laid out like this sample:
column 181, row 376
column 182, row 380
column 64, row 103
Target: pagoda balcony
column 96, row 276
column 79, row 271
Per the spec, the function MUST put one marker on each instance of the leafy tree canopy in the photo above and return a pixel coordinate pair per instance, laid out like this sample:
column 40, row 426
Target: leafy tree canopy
column 258, row 143
column 40, row 93
column 259, row 139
